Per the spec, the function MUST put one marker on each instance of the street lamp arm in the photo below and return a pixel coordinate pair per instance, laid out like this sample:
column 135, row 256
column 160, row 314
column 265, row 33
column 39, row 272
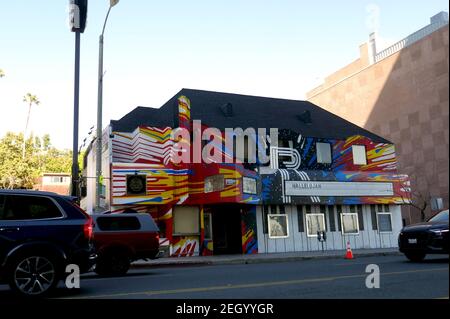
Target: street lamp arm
column 106, row 19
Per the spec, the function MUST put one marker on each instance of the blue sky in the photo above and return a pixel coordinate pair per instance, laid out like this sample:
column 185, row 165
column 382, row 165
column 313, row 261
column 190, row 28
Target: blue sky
column 153, row 49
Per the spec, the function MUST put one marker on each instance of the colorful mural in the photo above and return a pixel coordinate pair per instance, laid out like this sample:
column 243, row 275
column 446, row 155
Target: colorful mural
column 150, row 151
column 185, row 246
column 248, row 225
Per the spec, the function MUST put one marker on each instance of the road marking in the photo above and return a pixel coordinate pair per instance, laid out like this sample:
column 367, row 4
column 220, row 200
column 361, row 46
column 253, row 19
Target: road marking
column 149, row 275
column 252, row 285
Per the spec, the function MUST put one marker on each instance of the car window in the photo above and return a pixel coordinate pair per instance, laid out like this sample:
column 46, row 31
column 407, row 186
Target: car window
column 118, row 223
column 2, row 206
column 17, row 207
column 441, row 217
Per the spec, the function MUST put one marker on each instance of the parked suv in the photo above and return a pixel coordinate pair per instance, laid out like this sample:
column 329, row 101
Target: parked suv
column 120, row 239
column 40, row 234
column 431, row 237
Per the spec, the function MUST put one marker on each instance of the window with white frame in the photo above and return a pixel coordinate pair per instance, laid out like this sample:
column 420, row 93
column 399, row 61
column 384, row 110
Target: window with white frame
column 323, row 151
column 384, row 222
column 350, row 225
column 278, row 225
column 314, row 224
column 186, row 220
column 359, row 155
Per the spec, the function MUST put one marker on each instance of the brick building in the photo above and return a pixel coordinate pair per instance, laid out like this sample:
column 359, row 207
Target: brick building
column 401, row 93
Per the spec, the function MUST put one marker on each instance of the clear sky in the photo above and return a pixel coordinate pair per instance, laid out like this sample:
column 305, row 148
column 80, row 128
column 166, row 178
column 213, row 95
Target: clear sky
column 277, row 48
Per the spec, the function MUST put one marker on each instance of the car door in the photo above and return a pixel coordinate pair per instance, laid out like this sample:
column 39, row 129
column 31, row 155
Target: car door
column 12, row 230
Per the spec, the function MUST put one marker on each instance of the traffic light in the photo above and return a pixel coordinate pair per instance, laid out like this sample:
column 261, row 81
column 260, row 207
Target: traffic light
column 78, row 15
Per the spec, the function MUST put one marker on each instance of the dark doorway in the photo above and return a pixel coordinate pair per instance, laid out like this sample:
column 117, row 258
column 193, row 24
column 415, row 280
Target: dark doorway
column 226, row 224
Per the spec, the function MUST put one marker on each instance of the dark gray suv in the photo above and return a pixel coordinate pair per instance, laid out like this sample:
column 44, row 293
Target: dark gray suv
column 40, row 234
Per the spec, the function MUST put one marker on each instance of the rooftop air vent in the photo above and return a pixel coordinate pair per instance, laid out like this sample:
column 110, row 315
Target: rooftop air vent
column 227, row 110
column 305, row 117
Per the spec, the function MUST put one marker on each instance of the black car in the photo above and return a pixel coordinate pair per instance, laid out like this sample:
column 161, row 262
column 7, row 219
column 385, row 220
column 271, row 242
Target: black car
column 431, row 237
column 40, row 234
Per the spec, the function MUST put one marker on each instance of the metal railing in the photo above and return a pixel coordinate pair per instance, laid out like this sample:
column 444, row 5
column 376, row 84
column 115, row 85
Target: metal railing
column 412, row 38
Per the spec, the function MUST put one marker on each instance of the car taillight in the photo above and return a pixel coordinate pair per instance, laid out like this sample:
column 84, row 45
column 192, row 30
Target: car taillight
column 88, row 228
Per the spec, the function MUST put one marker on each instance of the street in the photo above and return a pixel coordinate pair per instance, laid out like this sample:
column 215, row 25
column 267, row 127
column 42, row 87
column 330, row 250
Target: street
column 325, row 278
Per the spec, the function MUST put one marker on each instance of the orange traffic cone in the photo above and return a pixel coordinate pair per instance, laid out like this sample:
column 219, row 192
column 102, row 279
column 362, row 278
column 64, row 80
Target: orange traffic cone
column 349, row 253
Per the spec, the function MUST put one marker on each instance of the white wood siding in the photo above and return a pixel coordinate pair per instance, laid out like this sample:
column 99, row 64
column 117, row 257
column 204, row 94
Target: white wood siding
column 299, row 241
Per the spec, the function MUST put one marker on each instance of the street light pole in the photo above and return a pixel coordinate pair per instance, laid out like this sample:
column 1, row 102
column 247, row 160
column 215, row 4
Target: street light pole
column 76, row 106
column 98, row 159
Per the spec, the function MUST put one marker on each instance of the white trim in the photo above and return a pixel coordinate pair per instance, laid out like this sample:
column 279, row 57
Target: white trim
column 342, row 223
column 378, row 223
column 306, row 222
column 269, row 225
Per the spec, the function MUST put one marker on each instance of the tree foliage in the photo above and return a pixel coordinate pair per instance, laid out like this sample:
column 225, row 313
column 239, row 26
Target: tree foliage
column 17, row 171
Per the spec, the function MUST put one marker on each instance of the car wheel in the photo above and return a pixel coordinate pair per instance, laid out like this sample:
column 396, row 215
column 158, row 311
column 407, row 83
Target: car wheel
column 416, row 256
column 33, row 275
column 113, row 264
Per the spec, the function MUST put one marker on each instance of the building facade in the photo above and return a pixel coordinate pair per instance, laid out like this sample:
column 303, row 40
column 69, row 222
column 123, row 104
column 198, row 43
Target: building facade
column 401, row 93
column 312, row 172
column 54, row 182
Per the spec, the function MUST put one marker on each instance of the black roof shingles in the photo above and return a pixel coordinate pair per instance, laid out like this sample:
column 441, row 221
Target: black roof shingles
column 248, row 111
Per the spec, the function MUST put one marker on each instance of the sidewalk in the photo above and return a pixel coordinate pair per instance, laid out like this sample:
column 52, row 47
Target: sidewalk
column 262, row 258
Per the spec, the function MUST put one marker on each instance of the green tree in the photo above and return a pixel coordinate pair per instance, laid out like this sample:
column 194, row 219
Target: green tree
column 18, row 171
column 2, row 73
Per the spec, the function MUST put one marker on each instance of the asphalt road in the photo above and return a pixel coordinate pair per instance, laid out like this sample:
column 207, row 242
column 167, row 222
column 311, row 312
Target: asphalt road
column 330, row 278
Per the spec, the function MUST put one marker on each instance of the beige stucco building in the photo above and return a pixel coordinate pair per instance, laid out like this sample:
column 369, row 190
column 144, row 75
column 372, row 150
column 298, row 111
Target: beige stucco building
column 401, row 93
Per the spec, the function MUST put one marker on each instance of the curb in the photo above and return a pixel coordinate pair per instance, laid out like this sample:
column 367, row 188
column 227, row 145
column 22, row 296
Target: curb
column 242, row 261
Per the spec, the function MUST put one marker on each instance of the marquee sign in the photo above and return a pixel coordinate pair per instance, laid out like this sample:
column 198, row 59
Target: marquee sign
column 315, row 188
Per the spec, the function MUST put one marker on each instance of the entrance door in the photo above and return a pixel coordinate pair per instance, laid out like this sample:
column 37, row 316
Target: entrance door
column 226, row 222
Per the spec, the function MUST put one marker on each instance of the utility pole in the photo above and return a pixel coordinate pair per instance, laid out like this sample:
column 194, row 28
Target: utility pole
column 77, row 22
column 98, row 157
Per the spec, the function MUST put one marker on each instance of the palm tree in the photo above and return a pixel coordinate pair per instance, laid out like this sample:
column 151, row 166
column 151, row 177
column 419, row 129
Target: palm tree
column 30, row 99
column 2, row 73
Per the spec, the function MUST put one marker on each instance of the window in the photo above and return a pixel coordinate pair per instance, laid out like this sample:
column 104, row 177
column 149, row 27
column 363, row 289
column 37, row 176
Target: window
column 350, row 224
column 208, row 226
column 118, row 223
column 385, row 222
column 249, row 185
column 440, row 217
column 57, row 179
column 278, row 226
column 359, row 208
column 16, row 207
column 186, row 220
column 323, row 151
column 136, row 185
column 332, row 218
column 214, row 183
column 359, row 155
column 314, row 223
column 373, row 214
column 2, row 206
column 301, row 224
